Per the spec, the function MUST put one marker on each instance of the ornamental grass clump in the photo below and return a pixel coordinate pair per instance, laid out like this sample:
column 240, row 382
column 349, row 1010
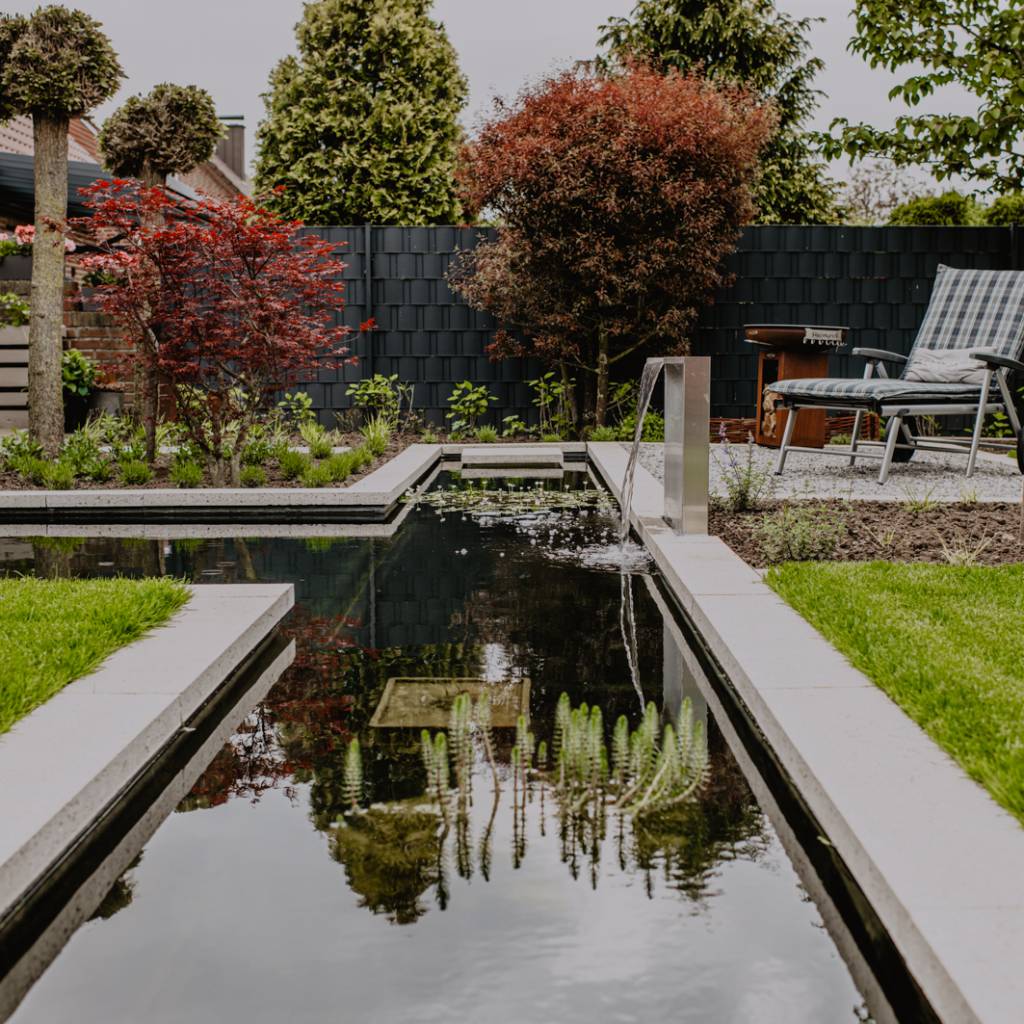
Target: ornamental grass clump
column 795, row 533
column 377, row 433
column 292, row 464
column 747, row 486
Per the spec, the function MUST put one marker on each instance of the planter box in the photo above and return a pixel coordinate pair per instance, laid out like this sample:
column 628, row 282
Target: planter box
column 16, row 268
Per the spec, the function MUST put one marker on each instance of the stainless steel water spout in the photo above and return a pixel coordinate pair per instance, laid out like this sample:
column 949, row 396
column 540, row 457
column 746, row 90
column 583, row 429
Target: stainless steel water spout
column 687, row 442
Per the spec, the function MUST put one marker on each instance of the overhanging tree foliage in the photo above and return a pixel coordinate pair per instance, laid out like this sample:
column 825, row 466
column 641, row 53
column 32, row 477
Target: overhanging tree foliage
column 362, row 126
column 973, row 44
column 619, row 198
column 746, row 42
column 169, row 131
column 54, row 65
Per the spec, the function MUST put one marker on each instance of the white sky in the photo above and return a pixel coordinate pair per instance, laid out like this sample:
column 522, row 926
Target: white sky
column 229, row 47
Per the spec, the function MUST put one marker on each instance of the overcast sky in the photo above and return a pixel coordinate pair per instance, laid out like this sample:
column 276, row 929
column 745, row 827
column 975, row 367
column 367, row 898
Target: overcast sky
column 229, row 47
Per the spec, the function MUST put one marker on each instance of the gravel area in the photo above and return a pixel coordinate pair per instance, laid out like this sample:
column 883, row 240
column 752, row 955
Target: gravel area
column 935, row 476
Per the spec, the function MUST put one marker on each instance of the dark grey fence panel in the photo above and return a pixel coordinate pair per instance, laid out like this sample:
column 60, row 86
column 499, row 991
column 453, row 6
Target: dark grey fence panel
column 874, row 280
column 425, row 333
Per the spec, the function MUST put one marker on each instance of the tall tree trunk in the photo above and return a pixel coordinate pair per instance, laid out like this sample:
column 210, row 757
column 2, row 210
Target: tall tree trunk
column 601, row 404
column 45, row 398
column 147, row 382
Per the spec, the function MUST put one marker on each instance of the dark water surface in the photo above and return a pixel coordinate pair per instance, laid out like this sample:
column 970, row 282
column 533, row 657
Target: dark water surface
column 249, row 904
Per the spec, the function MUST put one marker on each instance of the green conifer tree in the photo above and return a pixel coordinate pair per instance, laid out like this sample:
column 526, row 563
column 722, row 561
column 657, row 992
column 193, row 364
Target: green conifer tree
column 362, row 126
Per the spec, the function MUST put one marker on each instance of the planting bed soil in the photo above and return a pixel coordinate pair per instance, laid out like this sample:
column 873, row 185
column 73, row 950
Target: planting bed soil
column 989, row 533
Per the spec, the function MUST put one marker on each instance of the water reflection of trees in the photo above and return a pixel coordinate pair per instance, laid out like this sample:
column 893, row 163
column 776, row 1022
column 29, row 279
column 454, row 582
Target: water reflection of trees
column 394, row 854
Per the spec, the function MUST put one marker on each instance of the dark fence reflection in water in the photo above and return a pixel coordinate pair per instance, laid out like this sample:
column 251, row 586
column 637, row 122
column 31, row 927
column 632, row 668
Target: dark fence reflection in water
column 251, row 903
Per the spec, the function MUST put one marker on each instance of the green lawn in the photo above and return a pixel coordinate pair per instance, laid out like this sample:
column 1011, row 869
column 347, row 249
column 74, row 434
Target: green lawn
column 54, row 631
column 947, row 644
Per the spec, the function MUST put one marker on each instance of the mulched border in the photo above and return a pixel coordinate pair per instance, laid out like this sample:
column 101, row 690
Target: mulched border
column 893, row 531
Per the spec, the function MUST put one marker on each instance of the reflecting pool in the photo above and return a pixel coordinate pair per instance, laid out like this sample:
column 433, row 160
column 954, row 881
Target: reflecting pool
column 259, row 900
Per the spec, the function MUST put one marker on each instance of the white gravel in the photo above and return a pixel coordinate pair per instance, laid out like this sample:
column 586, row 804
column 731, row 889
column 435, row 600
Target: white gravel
column 935, row 476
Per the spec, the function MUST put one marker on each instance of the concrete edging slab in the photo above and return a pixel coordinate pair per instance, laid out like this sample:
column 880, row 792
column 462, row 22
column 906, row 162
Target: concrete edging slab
column 74, row 754
column 938, row 859
column 376, row 493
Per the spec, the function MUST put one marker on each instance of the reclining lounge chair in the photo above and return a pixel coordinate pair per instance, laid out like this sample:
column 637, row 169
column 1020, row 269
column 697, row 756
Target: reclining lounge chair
column 970, row 341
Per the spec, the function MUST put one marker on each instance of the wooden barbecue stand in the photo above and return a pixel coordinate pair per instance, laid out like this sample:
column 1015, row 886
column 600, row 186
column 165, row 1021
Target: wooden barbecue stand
column 785, row 352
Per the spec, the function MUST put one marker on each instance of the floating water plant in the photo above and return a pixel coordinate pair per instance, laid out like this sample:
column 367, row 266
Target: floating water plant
column 478, row 499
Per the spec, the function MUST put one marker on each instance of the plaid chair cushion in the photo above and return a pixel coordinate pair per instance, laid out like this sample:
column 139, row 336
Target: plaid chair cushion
column 974, row 309
column 875, row 389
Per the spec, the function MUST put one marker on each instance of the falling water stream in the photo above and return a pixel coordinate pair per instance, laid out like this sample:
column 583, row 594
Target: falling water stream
column 648, row 379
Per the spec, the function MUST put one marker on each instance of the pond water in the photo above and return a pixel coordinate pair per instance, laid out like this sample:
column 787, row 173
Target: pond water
column 255, row 901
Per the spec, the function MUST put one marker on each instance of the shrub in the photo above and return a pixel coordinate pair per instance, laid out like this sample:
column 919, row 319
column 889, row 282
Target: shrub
column 18, row 443
column 950, row 208
column 135, row 472
column 377, row 435
column 317, row 439
column 487, row 435
column 292, row 464
column 186, row 473
column 620, row 197
column 468, row 404
column 78, row 373
column 14, row 310
column 551, row 438
column 297, row 408
column 654, row 427
column 79, row 450
column 796, row 534
column 341, row 466
column 59, row 476
column 1006, row 211
column 256, row 453
column 603, row 434
column 253, row 476
column 512, row 426
column 840, row 439
column 429, row 437
column 378, row 395
column 28, row 467
column 316, row 475
column 745, row 484
column 99, row 471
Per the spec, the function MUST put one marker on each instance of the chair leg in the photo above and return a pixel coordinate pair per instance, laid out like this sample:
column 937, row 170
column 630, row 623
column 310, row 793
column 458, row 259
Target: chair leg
column 979, row 423
column 787, row 436
column 855, row 436
column 892, row 433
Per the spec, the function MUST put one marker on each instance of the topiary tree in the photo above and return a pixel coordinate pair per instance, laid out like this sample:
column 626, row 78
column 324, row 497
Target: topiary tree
column 169, row 131
column 55, row 64
column 362, row 126
column 619, row 197
column 751, row 43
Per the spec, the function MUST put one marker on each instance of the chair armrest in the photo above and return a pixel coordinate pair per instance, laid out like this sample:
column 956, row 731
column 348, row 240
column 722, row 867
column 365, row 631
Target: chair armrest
column 875, row 355
column 994, row 359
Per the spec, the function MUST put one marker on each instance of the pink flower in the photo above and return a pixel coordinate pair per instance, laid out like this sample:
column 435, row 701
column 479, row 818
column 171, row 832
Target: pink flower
column 25, row 234
column 69, row 246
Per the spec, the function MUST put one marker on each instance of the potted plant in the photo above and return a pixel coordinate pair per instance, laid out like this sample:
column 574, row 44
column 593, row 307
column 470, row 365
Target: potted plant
column 78, row 373
column 16, row 254
column 13, row 319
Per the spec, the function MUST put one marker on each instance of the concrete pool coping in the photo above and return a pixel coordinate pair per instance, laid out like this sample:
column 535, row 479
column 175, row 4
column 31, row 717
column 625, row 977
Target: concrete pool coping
column 370, row 500
column 937, row 858
column 71, row 757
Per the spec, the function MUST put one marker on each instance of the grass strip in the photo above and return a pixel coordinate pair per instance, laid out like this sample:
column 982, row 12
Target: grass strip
column 945, row 643
column 54, row 631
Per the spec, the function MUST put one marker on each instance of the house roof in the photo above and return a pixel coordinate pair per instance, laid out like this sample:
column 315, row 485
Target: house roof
column 16, row 137
column 17, row 185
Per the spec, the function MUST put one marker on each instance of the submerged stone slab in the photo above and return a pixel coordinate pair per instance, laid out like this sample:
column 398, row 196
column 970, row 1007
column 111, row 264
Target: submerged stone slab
column 73, row 755
column 938, row 859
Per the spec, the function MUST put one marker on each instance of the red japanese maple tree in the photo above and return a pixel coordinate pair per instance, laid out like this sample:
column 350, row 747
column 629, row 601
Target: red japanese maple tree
column 228, row 303
column 619, row 196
